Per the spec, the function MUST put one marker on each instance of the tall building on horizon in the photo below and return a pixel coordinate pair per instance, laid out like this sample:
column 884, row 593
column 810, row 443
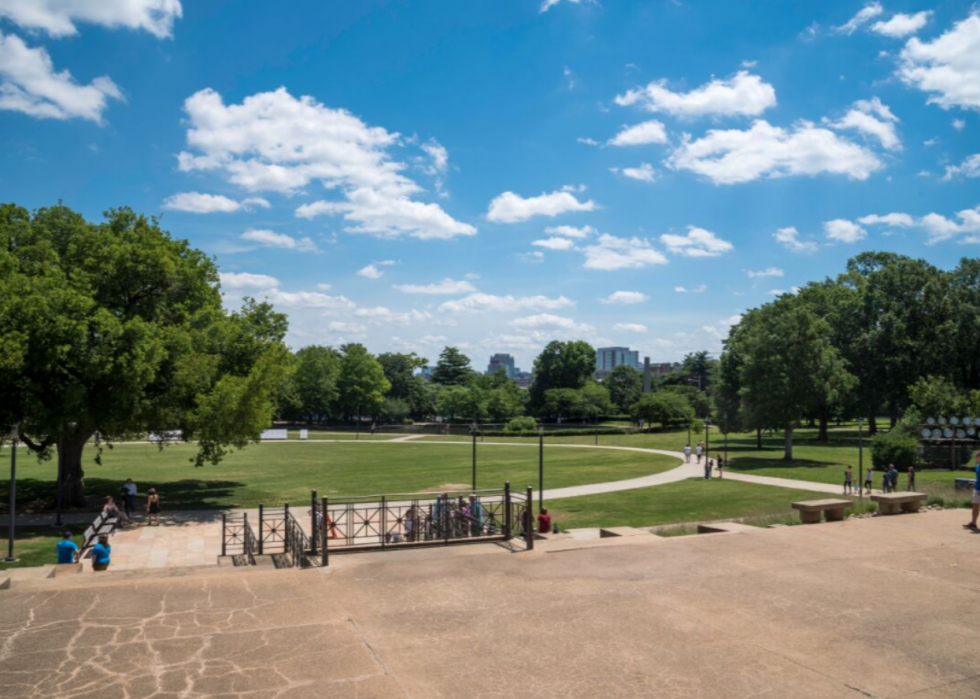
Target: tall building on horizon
column 502, row 361
column 608, row 357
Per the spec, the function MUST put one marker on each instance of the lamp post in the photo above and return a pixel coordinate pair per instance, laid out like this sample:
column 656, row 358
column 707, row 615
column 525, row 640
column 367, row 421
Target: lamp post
column 60, row 496
column 860, row 461
column 473, row 433
column 707, row 442
column 358, row 437
column 13, row 495
column 726, row 441
column 540, row 468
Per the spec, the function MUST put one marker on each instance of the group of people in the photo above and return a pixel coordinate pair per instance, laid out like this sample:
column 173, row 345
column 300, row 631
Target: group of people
column 709, row 464
column 889, row 480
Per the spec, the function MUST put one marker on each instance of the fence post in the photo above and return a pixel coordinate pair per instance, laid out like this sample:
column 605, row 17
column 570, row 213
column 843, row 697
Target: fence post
column 313, row 522
column 261, row 523
column 529, row 520
column 324, row 531
column 224, row 534
column 445, row 517
column 245, row 543
column 507, row 511
column 384, row 521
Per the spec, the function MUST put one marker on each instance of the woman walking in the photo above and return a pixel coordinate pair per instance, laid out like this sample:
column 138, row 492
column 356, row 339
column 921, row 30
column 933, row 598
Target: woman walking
column 153, row 507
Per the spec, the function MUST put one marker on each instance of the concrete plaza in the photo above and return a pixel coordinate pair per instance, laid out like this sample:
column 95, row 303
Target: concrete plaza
column 880, row 607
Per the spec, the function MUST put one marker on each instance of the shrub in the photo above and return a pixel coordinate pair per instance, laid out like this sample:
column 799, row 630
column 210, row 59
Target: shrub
column 521, row 424
column 897, row 447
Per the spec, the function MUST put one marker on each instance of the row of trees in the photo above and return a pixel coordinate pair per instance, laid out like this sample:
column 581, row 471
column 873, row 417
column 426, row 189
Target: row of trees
column 889, row 332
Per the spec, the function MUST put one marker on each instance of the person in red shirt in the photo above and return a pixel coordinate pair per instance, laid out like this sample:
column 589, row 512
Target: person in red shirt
column 544, row 522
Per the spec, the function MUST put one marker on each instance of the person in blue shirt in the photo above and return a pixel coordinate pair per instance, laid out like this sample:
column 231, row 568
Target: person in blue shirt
column 976, row 497
column 67, row 549
column 100, row 554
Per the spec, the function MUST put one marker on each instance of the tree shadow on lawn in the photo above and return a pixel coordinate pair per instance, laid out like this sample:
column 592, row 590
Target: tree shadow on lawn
column 37, row 496
column 754, row 464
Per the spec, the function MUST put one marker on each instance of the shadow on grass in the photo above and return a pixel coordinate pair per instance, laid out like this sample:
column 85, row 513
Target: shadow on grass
column 754, row 464
column 37, row 496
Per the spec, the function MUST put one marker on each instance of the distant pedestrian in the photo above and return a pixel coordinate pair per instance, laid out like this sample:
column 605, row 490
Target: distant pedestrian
column 893, row 478
column 152, row 507
column 886, row 481
column 911, row 478
column 721, row 465
column 848, row 481
column 708, row 465
column 111, row 510
column 869, row 479
column 976, row 496
column 129, row 497
column 698, row 452
column 687, row 454
column 374, row 428
column 67, row 549
column 101, row 554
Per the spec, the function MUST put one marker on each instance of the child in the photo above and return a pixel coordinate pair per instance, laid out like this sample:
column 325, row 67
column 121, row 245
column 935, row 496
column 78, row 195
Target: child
column 869, row 479
column 848, row 478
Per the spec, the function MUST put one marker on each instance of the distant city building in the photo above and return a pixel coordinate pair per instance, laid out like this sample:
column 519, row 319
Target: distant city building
column 609, row 357
column 523, row 379
column 502, row 361
column 665, row 368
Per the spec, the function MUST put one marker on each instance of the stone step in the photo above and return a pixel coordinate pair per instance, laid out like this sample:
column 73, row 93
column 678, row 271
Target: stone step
column 726, row 527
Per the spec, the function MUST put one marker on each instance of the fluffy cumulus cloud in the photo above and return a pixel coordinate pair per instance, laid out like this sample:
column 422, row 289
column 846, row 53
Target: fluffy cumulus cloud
column 370, row 272
column 551, row 321
column 246, row 280
column 768, row 272
column 697, row 243
column 734, row 156
column 902, row 25
column 200, row 203
column 273, row 141
column 30, row 84
column 60, row 17
column 699, row 289
column 864, row 15
column 939, row 228
column 790, row 239
column 970, row 167
column 447, row 287
column 271, row 239
column 555, row 243
column 548, row 4
column 571, row 231
column 948, row 68
column 641, row 134
column 513, row 208
column 625, row 297
column 871, row 118
column 844, row 231
column 610, row 253
column 899, row 220
column 742, row 95
column 643, row 173
column 630, row 327
column 480, row 302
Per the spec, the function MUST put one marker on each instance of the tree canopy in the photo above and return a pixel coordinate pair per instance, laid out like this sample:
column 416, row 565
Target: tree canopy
column 561, row 365
column 452, row 369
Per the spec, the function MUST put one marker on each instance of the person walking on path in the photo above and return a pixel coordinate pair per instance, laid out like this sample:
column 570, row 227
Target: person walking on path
column 848, row 481
column 869, row 479
column 129, row 497
column 976, row 497
column 708, row 465
column 687, row 454
column 911, row 478
column 153, row 507
column 698, row 452
column 101, row 554
column 893, row 477
column 721, row 465
column 886, row 481
column 67, row 549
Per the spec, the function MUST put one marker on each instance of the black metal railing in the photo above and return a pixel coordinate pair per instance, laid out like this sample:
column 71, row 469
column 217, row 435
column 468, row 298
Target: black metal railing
column 238, row 539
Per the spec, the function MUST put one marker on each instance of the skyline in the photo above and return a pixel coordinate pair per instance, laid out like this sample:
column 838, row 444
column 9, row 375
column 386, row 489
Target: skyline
column 500, row 174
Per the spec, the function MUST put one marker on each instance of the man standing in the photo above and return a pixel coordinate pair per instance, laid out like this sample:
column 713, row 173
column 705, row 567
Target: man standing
column 976, row 497
column 129, row 497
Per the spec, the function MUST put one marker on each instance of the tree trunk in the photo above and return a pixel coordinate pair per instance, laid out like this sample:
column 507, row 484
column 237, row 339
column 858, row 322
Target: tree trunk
column 788, row 455
column 872, row 425
column 72, row 474
column 823, row 435
column 758, row 438
column 892, row 420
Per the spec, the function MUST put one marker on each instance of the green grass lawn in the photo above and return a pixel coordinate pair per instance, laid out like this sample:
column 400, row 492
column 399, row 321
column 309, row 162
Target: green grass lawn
column 274, row 473
column 685, row 501
column 34, row 546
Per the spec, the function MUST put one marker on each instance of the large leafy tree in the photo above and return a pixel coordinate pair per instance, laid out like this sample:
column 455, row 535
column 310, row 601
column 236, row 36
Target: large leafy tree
column 118, row 327
column 664, row 408
column 452, row 369
column 312, row 384
column 361, row 385
column 561, row 365
column 699, row 369
column 625, row 386
column 399, row 369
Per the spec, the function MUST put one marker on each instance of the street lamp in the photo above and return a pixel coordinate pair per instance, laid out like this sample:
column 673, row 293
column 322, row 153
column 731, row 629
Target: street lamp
column 473, row 433
column 540, row 467
column 13, row 495
column 861, row 461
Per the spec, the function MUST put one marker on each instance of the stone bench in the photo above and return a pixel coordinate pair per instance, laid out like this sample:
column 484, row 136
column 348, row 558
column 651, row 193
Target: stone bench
column 894, row 503
column 965, row 483
column 810, row 510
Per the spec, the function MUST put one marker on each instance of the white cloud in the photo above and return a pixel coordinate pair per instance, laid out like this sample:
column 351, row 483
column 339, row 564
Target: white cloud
column 844, row 231
column 625, row 297
column 307, row 299
column 271, row 239
column 640, row 134
column 480, row 302
column 735, row 156
column 902, row 25
column 58, row 17
column 370, row 272
column 446, row 287
column 513, row 208
column 699, row 289
column 776, row 292
column 555, row 244
column 587, row 141
column 865, row 15
column 548, row 4
column 893, row 219
column 720, row 329
column 549, row 320
column 439, row 155
column 768, row 272
column 611, row 253
column 346, row 327
column 697, row 243
column 324, row 287
column 948, row 67
column 873, row 118
column 742, row 95
column 789, row 238
column 29, row 84
column 970, row 167
column 245, row 280
column 379, row 315
column 630, row 327
column 643, row 173
column 273, row 141
column 571, row 231
column 959, row 124
column 200, row 203
column 939, row 228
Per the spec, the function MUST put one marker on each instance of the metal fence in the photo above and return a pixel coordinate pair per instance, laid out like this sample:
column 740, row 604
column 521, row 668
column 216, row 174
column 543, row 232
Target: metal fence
column 238, row 539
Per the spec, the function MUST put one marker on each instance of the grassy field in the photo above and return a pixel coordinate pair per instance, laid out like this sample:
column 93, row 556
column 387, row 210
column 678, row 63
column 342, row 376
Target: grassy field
column 35, row 545
column 274, row 473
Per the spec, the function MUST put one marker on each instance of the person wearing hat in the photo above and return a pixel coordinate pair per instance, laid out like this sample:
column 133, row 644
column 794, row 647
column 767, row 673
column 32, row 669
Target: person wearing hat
column 100, row 554
column 67, row 549
column 153, row 507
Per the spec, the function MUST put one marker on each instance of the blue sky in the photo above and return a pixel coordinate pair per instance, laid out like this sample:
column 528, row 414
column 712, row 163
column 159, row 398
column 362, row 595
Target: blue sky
column 388, row 172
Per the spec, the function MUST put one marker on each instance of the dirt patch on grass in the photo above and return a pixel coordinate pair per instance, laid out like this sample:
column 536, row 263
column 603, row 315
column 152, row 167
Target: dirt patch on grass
column 451, row 488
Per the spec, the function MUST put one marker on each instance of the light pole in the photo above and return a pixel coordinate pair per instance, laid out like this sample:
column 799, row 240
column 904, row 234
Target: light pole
column 473, row 433
column 13, row 495
column 726, row 441
column 540, row 468
column 60, row 496
column 861, row 461
column 358, row 437
column 707, row 442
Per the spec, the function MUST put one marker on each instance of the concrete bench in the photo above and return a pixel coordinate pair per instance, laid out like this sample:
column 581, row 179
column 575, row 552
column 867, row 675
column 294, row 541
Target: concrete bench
column 810, row 510
column 965, row 483
column 894, row 503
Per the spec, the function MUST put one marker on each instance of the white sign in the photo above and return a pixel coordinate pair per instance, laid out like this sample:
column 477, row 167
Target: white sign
column 168, row 436
column 304, row 434
column 274, row 434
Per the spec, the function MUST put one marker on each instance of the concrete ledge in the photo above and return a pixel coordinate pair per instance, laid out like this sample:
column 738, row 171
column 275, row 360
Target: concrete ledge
column 725, row 528
column 4, row 583
column 810, row 510
column 610, row 532
column 66, row 569
column 896, row 503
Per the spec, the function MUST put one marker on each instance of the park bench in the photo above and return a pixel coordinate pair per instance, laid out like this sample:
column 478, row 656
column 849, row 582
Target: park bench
column 810, row 510
column 893, row 503
column 101, row 525
column 965, row 483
